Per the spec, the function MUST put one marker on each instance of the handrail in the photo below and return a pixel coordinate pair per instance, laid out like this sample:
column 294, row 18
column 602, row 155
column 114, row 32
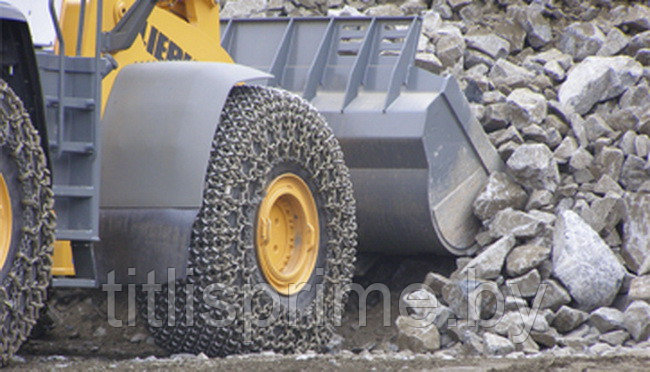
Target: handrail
column 61, row 91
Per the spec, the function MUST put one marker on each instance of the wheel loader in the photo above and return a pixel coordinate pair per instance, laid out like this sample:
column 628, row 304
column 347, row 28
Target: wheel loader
column 137, row 152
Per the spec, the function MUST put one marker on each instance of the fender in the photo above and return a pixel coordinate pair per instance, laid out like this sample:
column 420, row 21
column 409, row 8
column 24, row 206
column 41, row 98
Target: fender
column 158, row 128
column 157, row 136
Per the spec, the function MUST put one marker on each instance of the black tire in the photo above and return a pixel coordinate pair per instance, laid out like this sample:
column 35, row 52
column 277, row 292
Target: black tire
column 25, row 274
column 263, row 132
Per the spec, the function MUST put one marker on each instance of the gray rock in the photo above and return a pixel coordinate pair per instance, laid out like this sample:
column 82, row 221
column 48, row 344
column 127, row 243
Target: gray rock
column 567, row 319
column 534, row 167
column 548, row 338
column 564, row 151
column 636, row 17
column 431, row 22
column 609, row 161
column 496, row 116
column 383, row 10
column 606, row 212
column 538, row 29
column 554, row 71
column 640, row 288
column 527, row 284
column 525, row 257
column 516, row 223
column 635, row 96
column 584, row 263
column 499, row 193
column 552, row 55
column 497, row 345
column 507, row 149
column 450, row 47
column 490, row 44
column 554, row 296
column 624, row 119
column 579, row 163
column 580, row 338
column 512, row 303
column 615, row 41
column 488, row 263
column 505, row 73
column 243, row 8
column 418, row 335
column 539, row 199
column 502, row 136
column 429, row 62
column 606, row 319
column 597, row 79
column 634, row 173
column 637, row 320
column 512, row 32
column 627, row 142
column 435, row 282
column 581, row 39
column 636, row 233
column 420, row 303
column 614, row 338
column 526, row 107
column 596, row 127
column 607, row 185
column 457, row 4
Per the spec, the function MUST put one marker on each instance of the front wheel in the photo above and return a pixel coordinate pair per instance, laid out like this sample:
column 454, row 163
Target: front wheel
column 26, row 224
column 274, row 242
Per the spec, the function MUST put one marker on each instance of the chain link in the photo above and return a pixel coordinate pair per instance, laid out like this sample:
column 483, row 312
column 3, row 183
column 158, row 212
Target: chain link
column 23, row 290
column 260, row 127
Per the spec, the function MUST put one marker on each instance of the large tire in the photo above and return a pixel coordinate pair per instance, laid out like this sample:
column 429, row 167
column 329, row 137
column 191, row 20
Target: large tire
column 26, row 261
column 263, row 132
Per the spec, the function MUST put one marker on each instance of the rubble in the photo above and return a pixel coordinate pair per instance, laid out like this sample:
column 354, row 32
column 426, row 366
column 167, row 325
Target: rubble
column 562, row 90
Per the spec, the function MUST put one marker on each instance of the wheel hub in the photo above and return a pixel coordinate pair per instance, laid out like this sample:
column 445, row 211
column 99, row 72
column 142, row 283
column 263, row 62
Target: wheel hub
column 287, row 234
column 5, row 221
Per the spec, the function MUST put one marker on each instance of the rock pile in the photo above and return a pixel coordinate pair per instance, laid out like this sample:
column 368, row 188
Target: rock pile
column 562, row 88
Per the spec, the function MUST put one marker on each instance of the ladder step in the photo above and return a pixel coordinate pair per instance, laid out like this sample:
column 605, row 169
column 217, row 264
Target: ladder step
column 76, row 147
column 74, row 191
column 72, row 234
column 71, row 102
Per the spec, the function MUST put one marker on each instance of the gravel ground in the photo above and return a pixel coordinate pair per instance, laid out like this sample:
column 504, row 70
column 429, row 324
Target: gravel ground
column 76, row 336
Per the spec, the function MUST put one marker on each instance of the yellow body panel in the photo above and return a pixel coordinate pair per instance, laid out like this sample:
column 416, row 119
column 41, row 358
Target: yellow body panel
column 175, row 30
column 189, row 31
column 62, row 263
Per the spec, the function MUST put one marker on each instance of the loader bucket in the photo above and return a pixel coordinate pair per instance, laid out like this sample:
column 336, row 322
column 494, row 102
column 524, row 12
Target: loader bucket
column 417, row 155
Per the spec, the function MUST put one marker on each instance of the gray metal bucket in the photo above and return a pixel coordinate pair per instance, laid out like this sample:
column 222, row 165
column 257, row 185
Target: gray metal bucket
column 417, row 155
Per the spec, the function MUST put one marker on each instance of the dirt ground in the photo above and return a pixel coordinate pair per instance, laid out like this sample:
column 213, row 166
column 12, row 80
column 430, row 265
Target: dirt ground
column 75, row 335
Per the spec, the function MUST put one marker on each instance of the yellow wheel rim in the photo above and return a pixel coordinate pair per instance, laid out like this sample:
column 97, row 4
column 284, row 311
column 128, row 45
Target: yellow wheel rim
column 287, row 234
column 6, row 221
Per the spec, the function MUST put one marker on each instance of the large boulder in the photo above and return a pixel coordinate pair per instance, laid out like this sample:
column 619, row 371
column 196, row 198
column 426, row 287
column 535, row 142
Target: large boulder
column 584, row 263
column 597, row 79
column 499, row 193
column 533, row 166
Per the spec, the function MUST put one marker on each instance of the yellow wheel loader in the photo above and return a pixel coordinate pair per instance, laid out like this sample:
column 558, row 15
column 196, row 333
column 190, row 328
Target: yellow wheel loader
column 231, row 194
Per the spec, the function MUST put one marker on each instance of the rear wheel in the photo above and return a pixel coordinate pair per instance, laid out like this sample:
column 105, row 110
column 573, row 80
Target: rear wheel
column 26, row 224
column 273, row 245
